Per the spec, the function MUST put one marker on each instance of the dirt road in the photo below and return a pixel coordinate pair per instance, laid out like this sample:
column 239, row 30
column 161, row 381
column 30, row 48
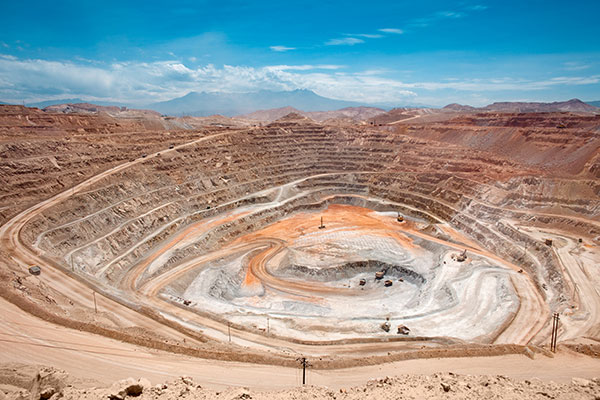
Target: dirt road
column 24, row 338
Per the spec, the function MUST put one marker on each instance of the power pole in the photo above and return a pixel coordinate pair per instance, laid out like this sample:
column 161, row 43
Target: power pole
column 95, row 307
column 552, row 332
column 305, row 364
column 554, row 336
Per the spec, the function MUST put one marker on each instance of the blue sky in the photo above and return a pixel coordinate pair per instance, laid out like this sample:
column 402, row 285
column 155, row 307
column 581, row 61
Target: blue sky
column 395, row 52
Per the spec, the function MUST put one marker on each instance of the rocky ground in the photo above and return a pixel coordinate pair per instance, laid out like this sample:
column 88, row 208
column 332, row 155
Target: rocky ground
column 29, row 382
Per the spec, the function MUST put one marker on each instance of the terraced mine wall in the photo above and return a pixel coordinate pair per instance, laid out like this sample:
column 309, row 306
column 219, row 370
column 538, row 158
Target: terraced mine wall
column 118, row 220
column 457, row 173
column 42, row 154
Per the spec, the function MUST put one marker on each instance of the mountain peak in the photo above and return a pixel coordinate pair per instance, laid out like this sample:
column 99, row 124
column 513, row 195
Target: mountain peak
column 230, row 104
column 292, row 118
column 458, row 107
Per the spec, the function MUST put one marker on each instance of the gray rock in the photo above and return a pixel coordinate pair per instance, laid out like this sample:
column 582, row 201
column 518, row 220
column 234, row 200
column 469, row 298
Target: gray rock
column 128, row 387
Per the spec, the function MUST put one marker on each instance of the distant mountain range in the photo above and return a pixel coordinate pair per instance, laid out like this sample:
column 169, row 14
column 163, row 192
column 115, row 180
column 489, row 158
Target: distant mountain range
column 268, row 102
column 230, row 104
column 48, row 103
column 573, row 105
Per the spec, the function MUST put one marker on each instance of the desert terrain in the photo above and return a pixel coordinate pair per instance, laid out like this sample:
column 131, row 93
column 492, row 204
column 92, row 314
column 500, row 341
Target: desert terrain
column 430, row 246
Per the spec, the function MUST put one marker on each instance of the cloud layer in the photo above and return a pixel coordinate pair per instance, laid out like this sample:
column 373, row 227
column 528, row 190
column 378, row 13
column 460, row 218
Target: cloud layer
column 142, row 82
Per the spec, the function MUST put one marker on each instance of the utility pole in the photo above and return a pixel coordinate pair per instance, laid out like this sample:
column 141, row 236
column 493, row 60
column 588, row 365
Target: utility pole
column 95, row 306
column 552, row 332
column 305, row 364
column 554, row 336
column 322, row 226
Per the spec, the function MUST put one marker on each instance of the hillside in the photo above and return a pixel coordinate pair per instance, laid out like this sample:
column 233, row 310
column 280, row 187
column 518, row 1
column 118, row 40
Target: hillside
column 230, row 104
column 77, row 100
column 399, row 114
column 573, row 105
column 88, row 108
column 350, row 113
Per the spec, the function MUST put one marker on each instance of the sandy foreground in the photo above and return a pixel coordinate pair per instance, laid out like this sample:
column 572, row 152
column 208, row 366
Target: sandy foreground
column 20, row 381
column 86, row 366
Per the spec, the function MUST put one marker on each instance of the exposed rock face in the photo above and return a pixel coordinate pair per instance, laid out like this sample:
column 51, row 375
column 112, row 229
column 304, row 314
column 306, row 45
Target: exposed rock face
column 484, row 174
column 354, row 114
column 573, row 105
column 33, row 382
column 454, row 107
column 128, row 388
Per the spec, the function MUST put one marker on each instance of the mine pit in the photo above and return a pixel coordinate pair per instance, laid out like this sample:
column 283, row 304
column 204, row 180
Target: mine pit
column 305, row 279
column 302, row 238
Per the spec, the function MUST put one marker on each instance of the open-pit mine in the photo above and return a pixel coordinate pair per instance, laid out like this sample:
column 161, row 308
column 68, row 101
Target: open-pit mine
column 439, row 234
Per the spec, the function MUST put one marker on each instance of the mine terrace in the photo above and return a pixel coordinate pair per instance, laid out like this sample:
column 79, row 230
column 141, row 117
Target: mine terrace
column 439, row 233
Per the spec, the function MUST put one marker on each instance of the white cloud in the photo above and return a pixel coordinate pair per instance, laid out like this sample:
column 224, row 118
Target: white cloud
column 143, row 83
column 305, row 67
column 365, row 35
column 281, row 48
column 575, row 66
column 349, row 41
column 497, row 84
column 391, row 30
column 450, row 14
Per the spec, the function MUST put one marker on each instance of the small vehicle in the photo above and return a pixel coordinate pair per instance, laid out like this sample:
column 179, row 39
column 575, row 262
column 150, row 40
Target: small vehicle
column 35, row 270
column 403, row 330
